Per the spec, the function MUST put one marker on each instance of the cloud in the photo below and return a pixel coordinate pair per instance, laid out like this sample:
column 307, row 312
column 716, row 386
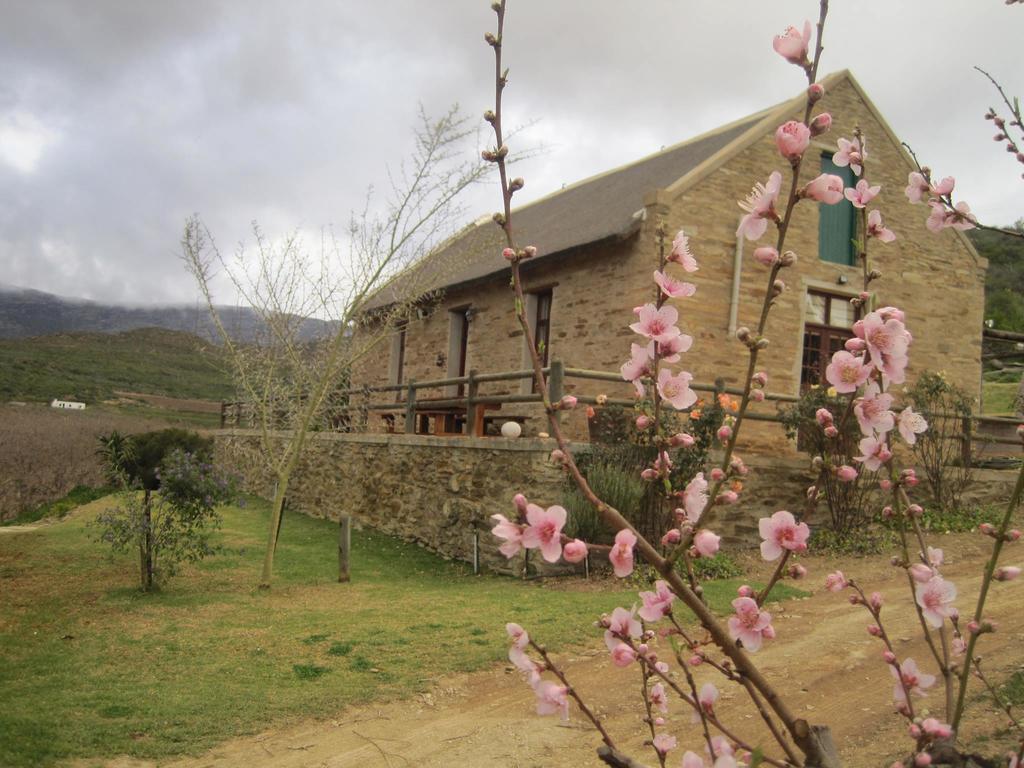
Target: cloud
column 118, row 120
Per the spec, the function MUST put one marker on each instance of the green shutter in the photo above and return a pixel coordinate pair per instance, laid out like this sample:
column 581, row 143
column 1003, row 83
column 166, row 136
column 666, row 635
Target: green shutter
column 837, row 225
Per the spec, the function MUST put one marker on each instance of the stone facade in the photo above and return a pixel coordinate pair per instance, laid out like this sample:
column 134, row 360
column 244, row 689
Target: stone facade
column 937, row 279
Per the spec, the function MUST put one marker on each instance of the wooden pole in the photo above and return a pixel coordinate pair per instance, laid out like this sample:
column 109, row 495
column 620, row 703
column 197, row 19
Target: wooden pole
column 471, row 408
column 410, row 408
column 344, row 548
column 556, row 383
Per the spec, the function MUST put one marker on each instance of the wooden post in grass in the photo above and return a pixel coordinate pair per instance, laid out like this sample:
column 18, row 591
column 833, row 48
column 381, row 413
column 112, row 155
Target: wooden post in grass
column 344, row 548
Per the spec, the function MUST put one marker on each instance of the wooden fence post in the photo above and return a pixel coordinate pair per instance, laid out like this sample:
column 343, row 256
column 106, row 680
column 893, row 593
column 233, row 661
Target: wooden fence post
column 410, row 408
column 471, row 408
column 556, row 383
column 344, row 548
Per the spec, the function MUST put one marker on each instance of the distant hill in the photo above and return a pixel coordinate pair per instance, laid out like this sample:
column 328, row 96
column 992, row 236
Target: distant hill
column 26, row 312
column 91, row 366
column 1004, row 284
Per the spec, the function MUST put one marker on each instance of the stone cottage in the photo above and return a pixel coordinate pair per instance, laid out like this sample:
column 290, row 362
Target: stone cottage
column 597, row 251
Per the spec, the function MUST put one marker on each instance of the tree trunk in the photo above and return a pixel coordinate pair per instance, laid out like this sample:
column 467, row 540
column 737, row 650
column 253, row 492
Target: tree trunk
column 147, row 542
column 275, row 527
column 344, row 548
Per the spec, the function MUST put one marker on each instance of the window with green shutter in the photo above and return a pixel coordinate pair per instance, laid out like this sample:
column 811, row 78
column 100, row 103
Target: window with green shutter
column 837, row 224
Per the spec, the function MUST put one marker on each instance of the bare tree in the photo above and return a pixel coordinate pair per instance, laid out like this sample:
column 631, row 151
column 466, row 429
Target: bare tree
column 285, row 374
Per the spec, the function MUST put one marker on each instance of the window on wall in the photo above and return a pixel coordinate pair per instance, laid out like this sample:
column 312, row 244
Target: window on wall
column 458, row 346
column 828, row 322
column 396, row 365
column 538, row 314
column 837, row 224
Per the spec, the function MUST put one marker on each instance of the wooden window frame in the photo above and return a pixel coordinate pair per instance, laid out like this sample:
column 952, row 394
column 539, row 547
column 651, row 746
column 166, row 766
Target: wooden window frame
column 827, row 333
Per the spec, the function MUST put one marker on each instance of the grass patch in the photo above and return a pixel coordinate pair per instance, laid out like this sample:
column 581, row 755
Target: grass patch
column 1012, row 690
column 999, row 397
column 99, row 669
column 76, row 497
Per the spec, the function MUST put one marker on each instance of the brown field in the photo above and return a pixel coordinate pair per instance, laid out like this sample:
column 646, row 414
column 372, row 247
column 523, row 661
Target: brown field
column 45, row 452
column 172, row 403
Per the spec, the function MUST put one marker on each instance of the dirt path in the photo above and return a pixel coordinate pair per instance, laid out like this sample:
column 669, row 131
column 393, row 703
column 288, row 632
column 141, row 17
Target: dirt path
column 486, row 719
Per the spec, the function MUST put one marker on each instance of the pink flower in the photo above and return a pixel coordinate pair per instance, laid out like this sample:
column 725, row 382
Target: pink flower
column 637, row 367
column 836, row 582
column 941, row 217
column 657, row 604
column 552, row 698
column 877, row 229
column 781, row 531
column 935, row 556
column 545, row 531
column 525, row 664
column 862, row 194
column 792, row 45
column 707, row 698
column 874, row 453
column 520, row 639
column 824, row 417
column 658, row 697
column 672, row 287
column 872, row 411
column 760, row 206
column 917, row 187
column 750, row 625
column 681, row 252
column 850, row 153
column 575, row 551
column 911, row 425
column 695, row 497
column 676, row 389
column 944, row 187
column 621, row 553
column 622, row 623
column 706, row 543
column 623, row 655
column 663, row 743
column 887, row 340
column 512, row 533
column 657, row 324
column 669, row 350
column 826, row 188
column 936, row 598
column 846, row 372
column 920, row 573
column 846, row 474
column 692, row 760
column 936, row 728
column 766, row 255
column 910, row 676
column 792, row 139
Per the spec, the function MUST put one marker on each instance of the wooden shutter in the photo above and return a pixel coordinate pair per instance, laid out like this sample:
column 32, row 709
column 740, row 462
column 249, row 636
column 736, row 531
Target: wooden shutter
column 837, row 225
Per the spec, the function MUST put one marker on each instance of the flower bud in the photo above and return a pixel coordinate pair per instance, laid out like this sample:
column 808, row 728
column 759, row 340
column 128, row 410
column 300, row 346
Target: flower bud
column 788, row 259
column 643, row 422
column 766, row 255
column 568, row 402
column 922, row 760
column 529, row 251
column 875, row 601
column 745, row 590
column 509, row 254
column 717, row 474
column 649, row 474
column 823, row 416
column 727, row 497
column 797, row 571
column 885, row 484
column 1013, row 535
column 672, row 536
column 724, row 433
column 759, row 379
column 557, row 456
column 757, row 395
column 762, row 344
column 768, row 632
column 696, row 660
column 987, row 528
column 1006, row 573
column 743, row 333
column 846, row 473
column 887, row 512
column 601, row 399
column 815, row 91
column 831, row 432
column 915, row 510
column 516, row 184
column 889, row 657
column 920, row 573
column 681, row 439
column 489, row 116
column 821, row 124
column 874, row 630
column 778, row 286
column 855, row 345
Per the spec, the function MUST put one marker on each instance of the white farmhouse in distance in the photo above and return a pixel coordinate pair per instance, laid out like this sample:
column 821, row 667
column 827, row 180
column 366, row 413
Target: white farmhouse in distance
column 68, row 405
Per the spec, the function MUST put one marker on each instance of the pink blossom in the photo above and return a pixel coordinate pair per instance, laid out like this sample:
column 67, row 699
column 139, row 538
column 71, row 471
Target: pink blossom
column 781, row 531
column 672, row 287
column 823, row 416
column 877, row 229
column 520, row 639
column 520, row 503
column 575, row 551
column 915, row 681
column 657, row 604
column 622, row 655
column 676, row 389
column 911, row 425
column 552, row 698
column 935, row 556
column 622, row 623
column 760, row 206
column 525, row 664
column 846, row 474
column 936, row 728
column 707, row 698
column 872, row 411
column 959, row 217
column 887, row 340
column 944, row 187
column 766, row 255
column 664, row 742
column 750, row 625
column 621, row 553
column 792, row 45
column 545, row 530
column 692, row 760
column 846, row 372
column 643, row 421
column 695, row 497
column 792, row 139
column 874, row 453
column 512, row 533
column 936, row 598
column 638, row 366
column 682, row 439
column 657, row 324
column 862, row 194
column 917, row 187
column 669, row 350
column 658, row 697
column 836, row 582
column 920, row 573
column 706, row 542
column 826, row 188
column 851, row 153
column 681, row 252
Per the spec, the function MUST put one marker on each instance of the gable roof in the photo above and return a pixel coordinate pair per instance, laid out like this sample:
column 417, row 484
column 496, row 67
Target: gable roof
column 604, row 206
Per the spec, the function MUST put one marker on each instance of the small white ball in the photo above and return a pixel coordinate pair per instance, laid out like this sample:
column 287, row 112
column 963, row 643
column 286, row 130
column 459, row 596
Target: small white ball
column 511, row 429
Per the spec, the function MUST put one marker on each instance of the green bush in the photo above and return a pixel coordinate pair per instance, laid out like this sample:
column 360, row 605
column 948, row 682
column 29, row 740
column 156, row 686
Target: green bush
column 721, row 566
column 619, row 487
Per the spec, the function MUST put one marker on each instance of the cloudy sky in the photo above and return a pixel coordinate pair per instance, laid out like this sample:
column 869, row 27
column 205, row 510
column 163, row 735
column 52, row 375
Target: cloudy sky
column 119, row 118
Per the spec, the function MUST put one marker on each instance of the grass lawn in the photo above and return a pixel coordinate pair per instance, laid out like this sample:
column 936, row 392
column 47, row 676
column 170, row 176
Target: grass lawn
column 999, row 397
column 90, row 667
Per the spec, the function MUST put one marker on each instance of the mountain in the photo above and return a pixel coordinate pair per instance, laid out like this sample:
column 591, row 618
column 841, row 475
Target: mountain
column 26, row 312
column 91, row 367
